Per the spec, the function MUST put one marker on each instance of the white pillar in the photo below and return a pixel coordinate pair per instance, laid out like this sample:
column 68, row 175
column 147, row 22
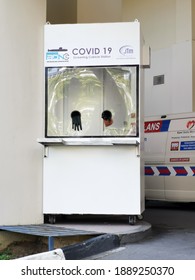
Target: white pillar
column 21, row 110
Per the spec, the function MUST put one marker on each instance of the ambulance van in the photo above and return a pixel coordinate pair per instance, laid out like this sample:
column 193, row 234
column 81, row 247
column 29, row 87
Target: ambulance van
column 170, row 158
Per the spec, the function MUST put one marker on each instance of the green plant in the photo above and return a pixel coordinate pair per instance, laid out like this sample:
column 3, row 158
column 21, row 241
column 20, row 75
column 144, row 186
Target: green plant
column 6, row 255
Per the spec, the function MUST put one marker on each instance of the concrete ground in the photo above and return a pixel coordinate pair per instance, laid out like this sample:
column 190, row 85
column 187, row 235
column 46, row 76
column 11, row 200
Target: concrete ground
column 101, row 235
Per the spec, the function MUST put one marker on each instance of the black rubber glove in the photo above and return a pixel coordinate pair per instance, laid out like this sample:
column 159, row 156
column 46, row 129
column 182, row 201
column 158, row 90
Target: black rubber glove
column 76, row 120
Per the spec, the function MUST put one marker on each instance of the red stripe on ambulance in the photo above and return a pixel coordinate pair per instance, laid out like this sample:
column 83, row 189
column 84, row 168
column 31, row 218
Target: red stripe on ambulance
column 169, row 171
column 180, row 171
column 153, row 126
column 149, row 171
column 164, row 171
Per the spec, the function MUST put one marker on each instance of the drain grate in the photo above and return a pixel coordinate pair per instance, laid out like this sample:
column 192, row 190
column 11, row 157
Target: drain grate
column 49, row 231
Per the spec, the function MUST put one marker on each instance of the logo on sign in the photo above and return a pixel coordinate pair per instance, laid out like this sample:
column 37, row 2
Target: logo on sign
column 190, row 124
column 174, row 146
column 152, row 126
column 59, row 55
column 126, row 51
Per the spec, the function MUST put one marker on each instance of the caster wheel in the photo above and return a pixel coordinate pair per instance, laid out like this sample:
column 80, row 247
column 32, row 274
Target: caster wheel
column 132, row 219
column 52, row 219
column 140, row 217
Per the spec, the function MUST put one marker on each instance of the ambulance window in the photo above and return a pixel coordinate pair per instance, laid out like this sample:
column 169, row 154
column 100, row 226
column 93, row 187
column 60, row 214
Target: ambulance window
column 77, row 97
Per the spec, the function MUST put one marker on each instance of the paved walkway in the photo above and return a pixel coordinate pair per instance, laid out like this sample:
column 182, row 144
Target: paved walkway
column 100, row 236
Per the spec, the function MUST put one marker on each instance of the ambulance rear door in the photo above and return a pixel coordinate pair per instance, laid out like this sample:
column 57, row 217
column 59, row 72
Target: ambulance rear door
column 156, row 130
column 180, row 159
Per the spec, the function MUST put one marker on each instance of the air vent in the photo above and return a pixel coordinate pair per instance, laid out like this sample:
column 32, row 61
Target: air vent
column 158, row 80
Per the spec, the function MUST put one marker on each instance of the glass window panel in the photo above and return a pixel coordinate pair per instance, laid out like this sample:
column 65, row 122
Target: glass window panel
column 77, row 98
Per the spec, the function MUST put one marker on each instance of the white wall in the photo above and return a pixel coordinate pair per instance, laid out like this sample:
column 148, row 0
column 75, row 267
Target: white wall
column 92, row 11
column 21, row 110
column 167, row 29
column 157, row 20
column 163, row 22
column 175, row 95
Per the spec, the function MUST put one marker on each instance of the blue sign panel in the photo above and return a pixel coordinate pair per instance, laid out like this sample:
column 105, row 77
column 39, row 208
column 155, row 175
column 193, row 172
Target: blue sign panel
column 187, row 145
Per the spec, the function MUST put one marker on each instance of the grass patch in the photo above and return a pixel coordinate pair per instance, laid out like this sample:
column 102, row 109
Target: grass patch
column 6, row 255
